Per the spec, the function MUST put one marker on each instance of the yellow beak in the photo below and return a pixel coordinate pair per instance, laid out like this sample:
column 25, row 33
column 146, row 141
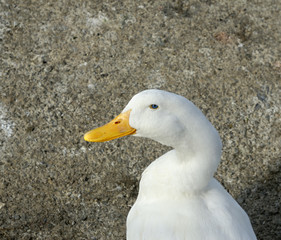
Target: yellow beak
column 118, row 127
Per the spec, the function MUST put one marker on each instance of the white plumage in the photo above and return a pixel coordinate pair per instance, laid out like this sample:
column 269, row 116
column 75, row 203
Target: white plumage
column 178, row 197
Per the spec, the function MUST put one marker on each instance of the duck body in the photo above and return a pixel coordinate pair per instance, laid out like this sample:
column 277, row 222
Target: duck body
column 163, row 211
column 178, row 197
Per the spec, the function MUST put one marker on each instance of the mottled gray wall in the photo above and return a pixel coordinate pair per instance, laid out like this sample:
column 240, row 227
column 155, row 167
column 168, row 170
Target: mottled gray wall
column 69, row 66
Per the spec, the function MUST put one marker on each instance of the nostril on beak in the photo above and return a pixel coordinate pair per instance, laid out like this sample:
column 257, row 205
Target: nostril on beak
column 117, row 122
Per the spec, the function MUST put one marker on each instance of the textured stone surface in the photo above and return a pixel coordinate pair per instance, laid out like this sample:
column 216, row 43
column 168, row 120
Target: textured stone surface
column 69, row 66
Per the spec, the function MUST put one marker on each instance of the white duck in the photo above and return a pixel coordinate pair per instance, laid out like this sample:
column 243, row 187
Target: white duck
column 179, row 199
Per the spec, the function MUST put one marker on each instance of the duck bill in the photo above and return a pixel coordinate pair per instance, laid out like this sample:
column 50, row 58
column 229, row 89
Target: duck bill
column 117, row 128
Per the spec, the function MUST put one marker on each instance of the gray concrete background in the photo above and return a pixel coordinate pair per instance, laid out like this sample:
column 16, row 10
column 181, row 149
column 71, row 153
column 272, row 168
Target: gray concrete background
column 70, row 66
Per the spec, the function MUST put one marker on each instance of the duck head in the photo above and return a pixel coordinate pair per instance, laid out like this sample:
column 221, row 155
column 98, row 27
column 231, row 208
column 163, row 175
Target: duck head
column 164, row 117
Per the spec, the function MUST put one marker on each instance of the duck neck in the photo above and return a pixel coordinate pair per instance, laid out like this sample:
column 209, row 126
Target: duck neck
column 186, row 170
column 199, row 158
column 181, row 172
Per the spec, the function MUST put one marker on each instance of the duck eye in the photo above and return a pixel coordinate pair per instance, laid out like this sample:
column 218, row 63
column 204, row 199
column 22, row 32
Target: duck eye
column 153, row 106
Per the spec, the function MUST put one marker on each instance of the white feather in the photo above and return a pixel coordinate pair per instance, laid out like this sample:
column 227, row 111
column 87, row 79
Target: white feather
column 178, row 197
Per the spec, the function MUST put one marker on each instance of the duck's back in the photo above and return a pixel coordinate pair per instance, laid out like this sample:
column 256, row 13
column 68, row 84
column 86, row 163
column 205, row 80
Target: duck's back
column 210, row 215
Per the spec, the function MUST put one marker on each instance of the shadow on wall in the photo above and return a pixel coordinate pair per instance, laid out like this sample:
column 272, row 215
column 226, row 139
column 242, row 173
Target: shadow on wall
column 262, row 203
